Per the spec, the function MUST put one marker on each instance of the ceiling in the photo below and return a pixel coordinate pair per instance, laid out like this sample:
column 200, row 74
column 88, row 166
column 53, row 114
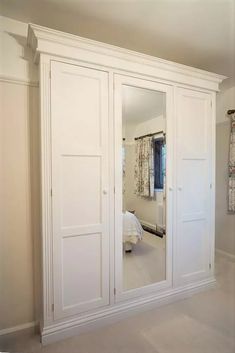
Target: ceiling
column 140, row 105
column 199, row 33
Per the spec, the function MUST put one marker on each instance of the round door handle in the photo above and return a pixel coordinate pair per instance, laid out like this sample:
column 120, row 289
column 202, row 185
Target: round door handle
column 180, row 188
column 105, row 191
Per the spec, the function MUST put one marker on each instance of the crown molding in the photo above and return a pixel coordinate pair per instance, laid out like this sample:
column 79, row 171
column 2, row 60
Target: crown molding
column 44, row 40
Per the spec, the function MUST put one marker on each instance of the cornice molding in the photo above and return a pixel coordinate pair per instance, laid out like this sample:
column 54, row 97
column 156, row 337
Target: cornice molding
column 53, row 42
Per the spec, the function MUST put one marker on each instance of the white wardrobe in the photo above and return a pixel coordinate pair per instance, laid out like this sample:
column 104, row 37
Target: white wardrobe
column 81, row 111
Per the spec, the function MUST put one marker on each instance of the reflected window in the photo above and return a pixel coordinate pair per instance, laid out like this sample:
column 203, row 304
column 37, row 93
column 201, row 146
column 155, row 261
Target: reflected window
column 159, row 150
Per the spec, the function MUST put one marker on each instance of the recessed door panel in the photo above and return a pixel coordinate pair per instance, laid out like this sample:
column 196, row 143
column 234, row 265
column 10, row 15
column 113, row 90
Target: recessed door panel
column 79, row 113
column 85, row 280
column 80, row 180
column 194, row 247
column 194, row 188
column 82, row 125
column 193, row 124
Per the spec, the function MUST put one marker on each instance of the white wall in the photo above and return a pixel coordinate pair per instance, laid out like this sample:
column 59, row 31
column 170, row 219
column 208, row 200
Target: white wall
column 225, row 223
column 19, row 175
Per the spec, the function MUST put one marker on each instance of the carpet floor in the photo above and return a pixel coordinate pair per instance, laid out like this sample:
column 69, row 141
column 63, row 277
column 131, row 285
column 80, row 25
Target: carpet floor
column 203, row 323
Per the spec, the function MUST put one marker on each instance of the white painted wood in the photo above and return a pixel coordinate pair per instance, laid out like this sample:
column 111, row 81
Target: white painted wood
column 109, row 315
column 194, row 124
column 112, row 190
column 80, row 162
column 119, row 81
column 212, row 164
column 80, row 186
column 46, row 212
column 52, row 42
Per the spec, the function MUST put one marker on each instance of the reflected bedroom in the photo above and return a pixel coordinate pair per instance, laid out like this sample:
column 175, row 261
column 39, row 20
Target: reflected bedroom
column 144, row 180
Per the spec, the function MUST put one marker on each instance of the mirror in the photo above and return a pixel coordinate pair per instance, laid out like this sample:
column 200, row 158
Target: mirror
column 144, row 179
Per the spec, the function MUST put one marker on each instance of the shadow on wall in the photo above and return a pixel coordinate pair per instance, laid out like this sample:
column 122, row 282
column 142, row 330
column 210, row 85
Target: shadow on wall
column 25, row 55
column 34, row 142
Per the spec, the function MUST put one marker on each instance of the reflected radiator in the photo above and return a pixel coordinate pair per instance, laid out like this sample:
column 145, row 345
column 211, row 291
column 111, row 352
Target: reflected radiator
column 160, row 217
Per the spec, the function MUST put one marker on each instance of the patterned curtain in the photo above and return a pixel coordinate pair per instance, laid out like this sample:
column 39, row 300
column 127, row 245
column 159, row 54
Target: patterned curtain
column 231, row 183
column 144, row 167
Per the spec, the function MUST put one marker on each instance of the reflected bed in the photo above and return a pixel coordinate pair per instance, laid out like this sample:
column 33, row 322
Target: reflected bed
column 132, row 230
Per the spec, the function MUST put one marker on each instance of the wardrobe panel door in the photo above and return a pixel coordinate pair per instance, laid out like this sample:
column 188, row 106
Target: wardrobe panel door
column 194, row 129
column 80, row 184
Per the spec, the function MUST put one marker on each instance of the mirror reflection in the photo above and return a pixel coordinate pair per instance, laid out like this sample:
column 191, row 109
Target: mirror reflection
column 144, row 174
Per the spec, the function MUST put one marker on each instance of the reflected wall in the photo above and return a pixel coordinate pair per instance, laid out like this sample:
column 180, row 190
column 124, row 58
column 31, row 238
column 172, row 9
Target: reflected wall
column 144, row 172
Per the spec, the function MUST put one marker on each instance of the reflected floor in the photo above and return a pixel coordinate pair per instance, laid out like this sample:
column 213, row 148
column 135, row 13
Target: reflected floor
column 146, row 263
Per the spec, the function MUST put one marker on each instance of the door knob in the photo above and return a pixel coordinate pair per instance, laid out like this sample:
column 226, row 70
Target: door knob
column 105, row 191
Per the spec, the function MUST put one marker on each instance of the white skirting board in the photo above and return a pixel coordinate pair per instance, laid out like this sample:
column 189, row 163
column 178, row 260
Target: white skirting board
column 110, row 315
column 6, row 331
column 226, row 254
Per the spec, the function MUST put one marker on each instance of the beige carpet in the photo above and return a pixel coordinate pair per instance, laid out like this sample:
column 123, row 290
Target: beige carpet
column 204, row 323
column 146, row 264
column 187, row 335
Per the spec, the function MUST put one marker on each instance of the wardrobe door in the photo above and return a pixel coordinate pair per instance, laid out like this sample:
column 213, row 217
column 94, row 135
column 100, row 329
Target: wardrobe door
column 80, row 185
column 194, row 178
column 143, row 223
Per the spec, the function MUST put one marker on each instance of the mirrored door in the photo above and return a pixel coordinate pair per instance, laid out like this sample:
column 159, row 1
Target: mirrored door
column 141, row 203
